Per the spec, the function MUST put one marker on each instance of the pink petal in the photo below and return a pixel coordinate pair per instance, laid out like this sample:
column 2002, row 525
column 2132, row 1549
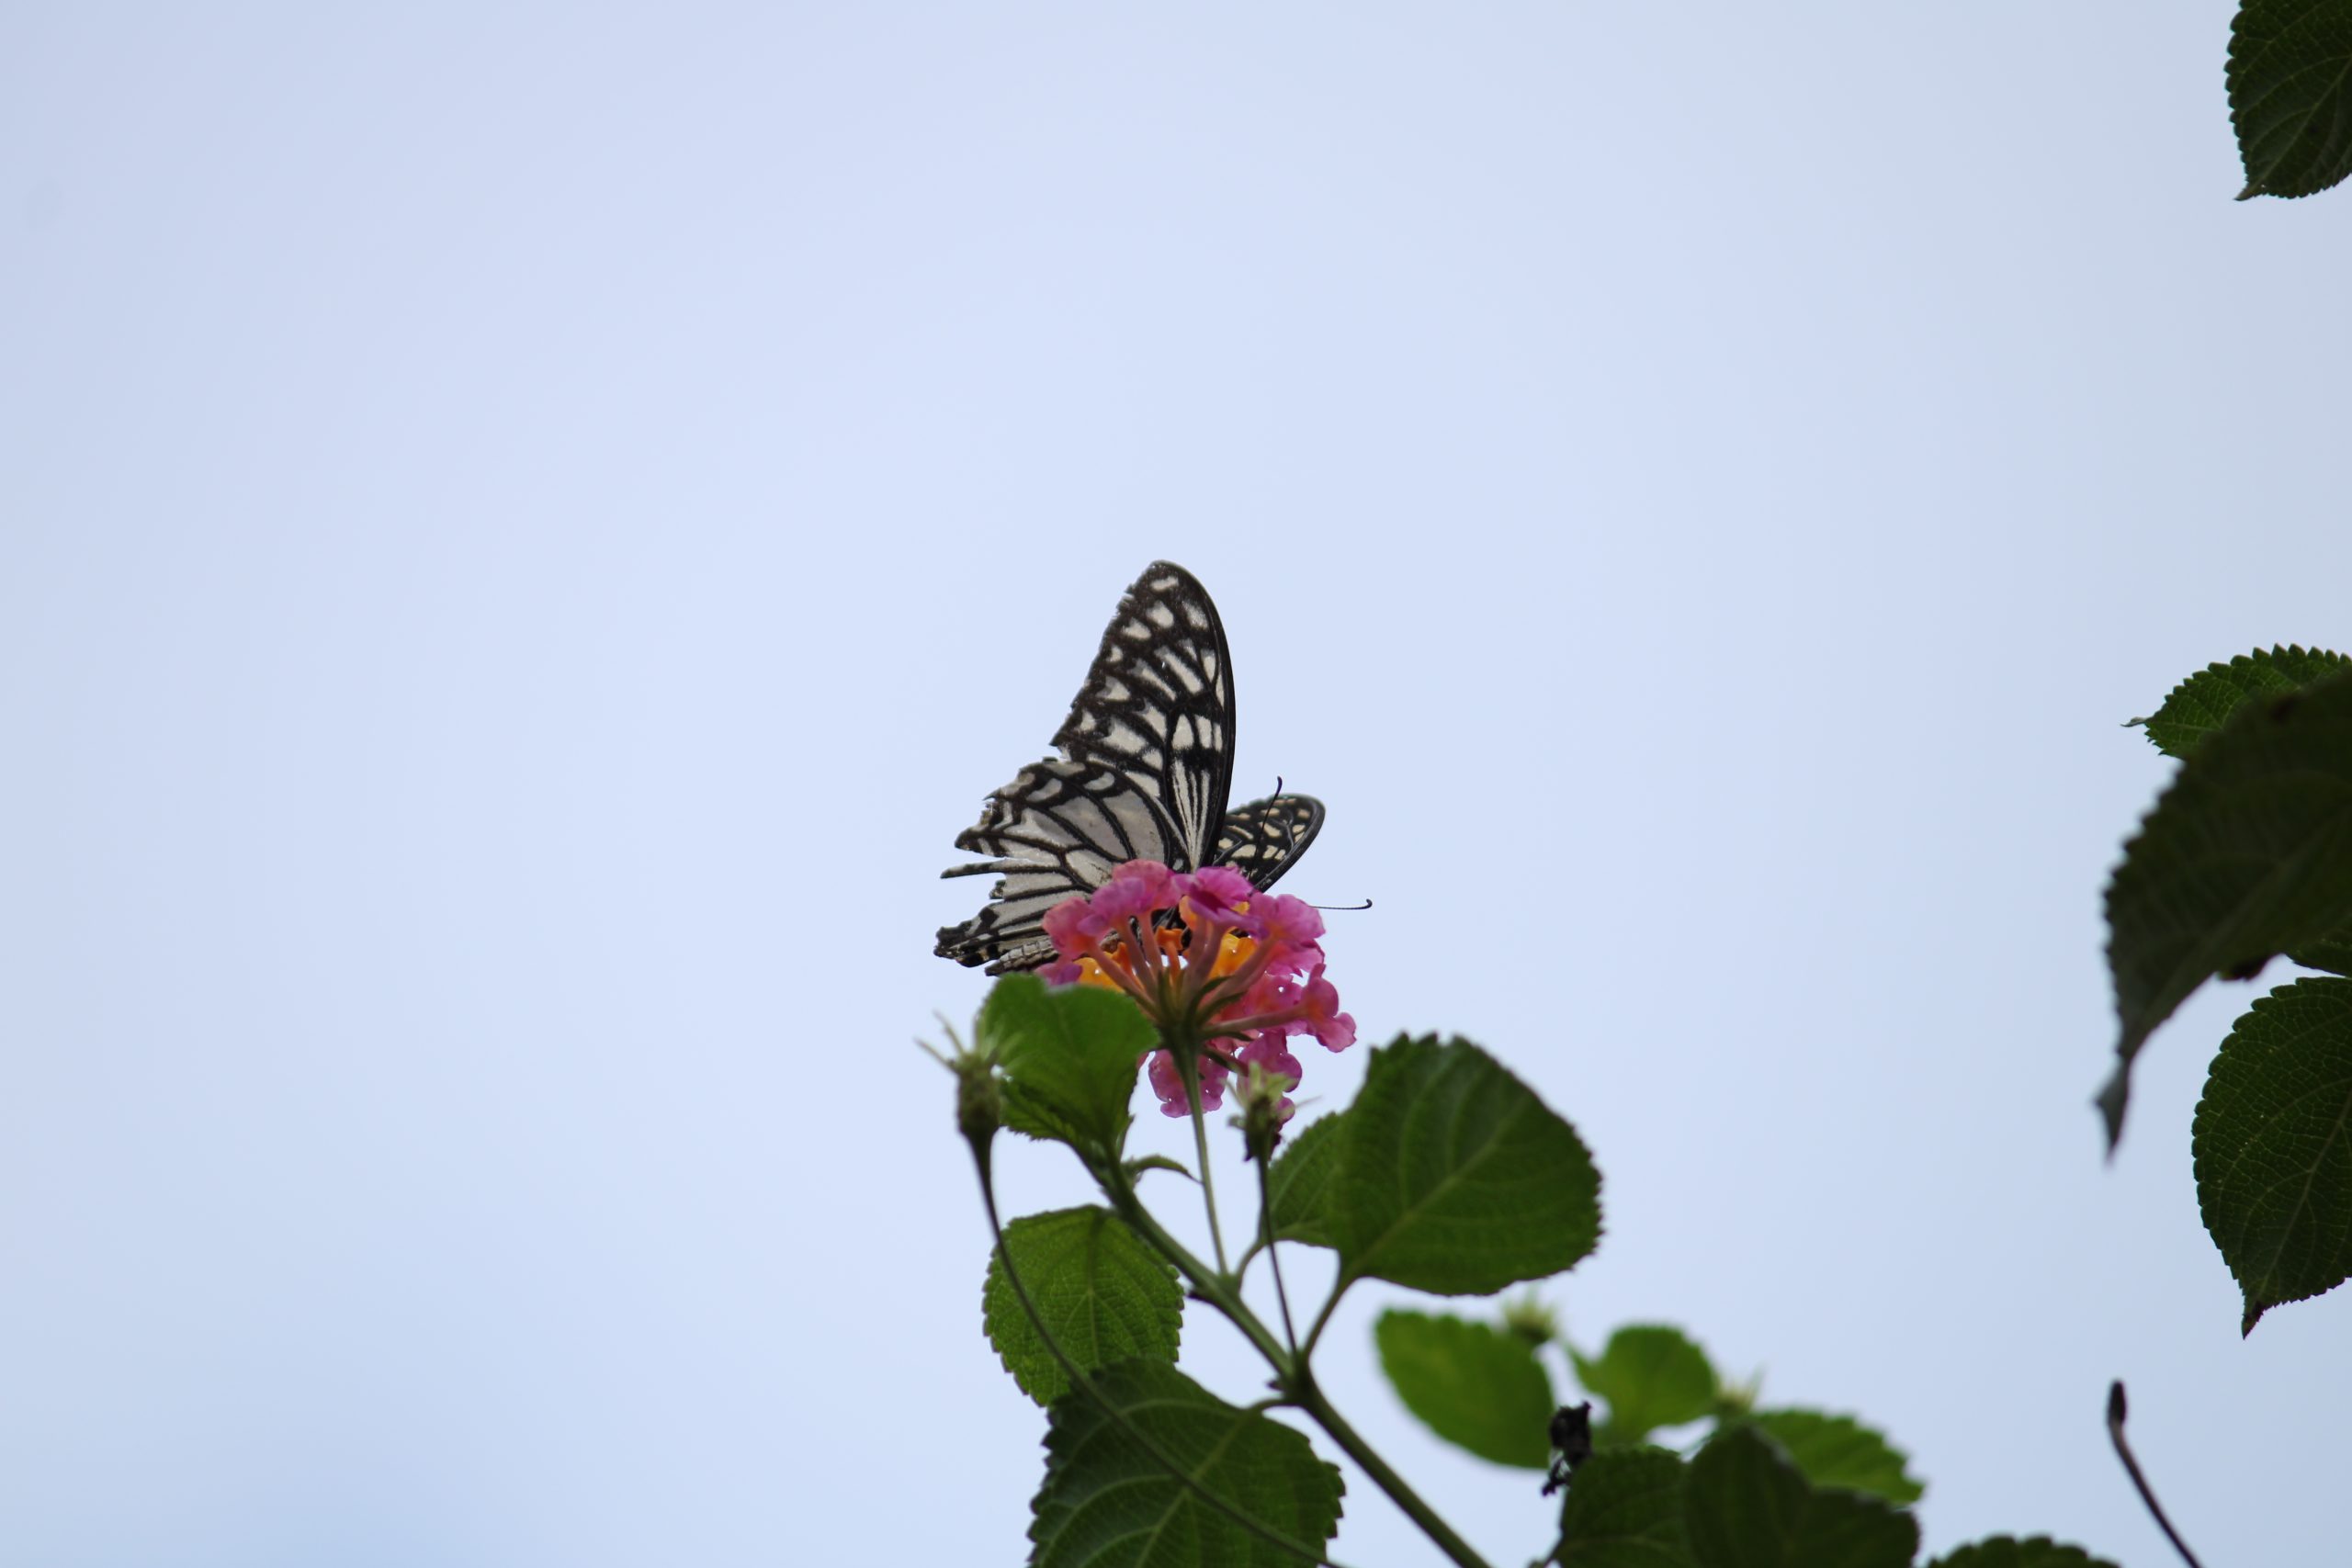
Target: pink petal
column 1168, row 1085
column 1155, row 880
column 1216, row 890
column 1288, row 922
column 1075, row 927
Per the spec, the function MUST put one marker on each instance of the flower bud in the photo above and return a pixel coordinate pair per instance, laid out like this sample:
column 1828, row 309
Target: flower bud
column 979, row 1100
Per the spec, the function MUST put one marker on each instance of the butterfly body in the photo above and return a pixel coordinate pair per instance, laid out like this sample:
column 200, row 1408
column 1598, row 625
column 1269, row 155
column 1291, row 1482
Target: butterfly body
column 1144, row 770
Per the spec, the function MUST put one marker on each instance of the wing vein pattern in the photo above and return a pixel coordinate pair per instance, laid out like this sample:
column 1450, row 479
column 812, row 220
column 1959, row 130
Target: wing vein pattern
column 1144, row 765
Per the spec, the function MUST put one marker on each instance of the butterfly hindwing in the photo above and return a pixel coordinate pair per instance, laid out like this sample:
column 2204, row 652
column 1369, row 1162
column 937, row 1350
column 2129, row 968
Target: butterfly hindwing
column 1144, row 767
column 1261, row 839
column 1046, row 830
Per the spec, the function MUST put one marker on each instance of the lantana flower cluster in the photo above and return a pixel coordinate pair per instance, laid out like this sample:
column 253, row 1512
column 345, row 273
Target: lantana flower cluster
column 1233, row 979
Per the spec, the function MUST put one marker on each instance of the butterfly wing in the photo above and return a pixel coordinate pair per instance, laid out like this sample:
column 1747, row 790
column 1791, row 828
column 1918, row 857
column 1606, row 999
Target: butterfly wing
column 1146, row 762
column 1261, row 839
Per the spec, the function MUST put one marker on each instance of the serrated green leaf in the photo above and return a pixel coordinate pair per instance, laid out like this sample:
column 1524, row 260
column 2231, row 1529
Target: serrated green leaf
column 2248, row 854
column 2332, row 953
column 1042, row 1117
column 1747, row 1506
column 1839, row 1451
column 1069, row 1058
column 1625, row 1510
column 1650, row 1375
column 1478, row 1386
column 1296, row 1181
column 2273, row 1146
column 2009, row 1551
column 1102, row 1293
column 1453, row 1178
column 2289, row 62
column 1109, row 1502
column 2202, row 704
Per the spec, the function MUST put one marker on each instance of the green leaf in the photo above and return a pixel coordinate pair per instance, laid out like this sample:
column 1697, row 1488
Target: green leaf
column 1296, row 1180
column 1625, row 1510
column 1108, row 1500
column 2203, row 703
column 1101, row 1293
column 2200, row 705
column 2288, row 63
column 2009, row 1551
column 1478, row 1386
column 2273, row 1146
column 1749, row 1507
column 2332, row 953
column 1652, row 1376
column 2248, row 854
column 1838, row 1450
column 1453, row 1178
column 1069, row 1059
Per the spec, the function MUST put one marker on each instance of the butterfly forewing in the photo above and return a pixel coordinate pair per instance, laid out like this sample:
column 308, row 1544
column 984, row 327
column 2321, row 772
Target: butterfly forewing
column 1157, row 709
column 1145, row 766
column 1261, row 839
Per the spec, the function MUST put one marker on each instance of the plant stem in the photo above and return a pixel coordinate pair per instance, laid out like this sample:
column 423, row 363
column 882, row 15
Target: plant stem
column 1323, row 1318
column 1309, row 1398
column 2115, row 1409
column 1292, row 1374
column 1213, row 1288
column 1187, row 1063
column 1118, row 1417
column 1274, row 1258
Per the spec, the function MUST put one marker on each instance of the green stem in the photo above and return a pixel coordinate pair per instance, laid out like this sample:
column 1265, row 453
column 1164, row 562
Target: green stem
column 1187, row 1063
column 1323, row 1318
column 1273, row 1258
column 1210, row 1286
column 1086, row 1385
column 1292, row 1371
column 1291, row 1374
column 1309, row 1399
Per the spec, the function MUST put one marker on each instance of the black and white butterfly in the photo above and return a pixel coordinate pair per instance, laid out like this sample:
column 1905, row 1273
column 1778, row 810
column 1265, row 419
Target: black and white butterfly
column 1146, row 760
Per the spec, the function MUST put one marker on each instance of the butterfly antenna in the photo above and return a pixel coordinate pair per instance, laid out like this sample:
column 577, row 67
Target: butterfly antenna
column 1345, row 908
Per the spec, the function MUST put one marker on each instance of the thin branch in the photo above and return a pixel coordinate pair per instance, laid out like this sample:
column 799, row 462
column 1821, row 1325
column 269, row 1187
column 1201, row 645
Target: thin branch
column 1273, row 1258
column 1086, row 1385
column 1323, row 1318
column 1205, row 1284
column 2132, row 1467
column 1309, row 1399
column 1188, row 1064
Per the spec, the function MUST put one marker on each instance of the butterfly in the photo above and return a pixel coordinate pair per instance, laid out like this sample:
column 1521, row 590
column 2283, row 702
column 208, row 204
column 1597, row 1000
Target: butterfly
column 1146, row 759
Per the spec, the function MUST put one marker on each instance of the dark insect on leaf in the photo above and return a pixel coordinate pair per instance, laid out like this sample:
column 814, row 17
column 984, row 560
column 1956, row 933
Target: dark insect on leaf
column 1571, row 1444
column 1145, row 762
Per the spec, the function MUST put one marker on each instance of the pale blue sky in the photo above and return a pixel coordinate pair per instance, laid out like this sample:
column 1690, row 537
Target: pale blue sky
column 525, row 533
